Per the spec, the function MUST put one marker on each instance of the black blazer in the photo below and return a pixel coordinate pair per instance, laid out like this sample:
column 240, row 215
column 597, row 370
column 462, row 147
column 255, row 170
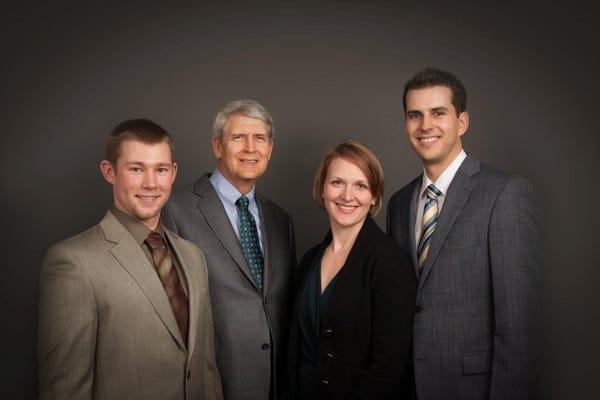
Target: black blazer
column 365, row 340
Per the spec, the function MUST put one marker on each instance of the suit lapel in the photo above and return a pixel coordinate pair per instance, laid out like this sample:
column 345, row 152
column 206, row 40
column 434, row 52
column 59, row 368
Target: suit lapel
column 129, row 254
column 412, row 218
column 211, row 207
column 458, row 193
column 268, row 235
column 193, row 288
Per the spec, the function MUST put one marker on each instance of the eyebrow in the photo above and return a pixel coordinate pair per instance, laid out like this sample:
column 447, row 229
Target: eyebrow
column 439, row 109
column 140, row 163
column 434, row 109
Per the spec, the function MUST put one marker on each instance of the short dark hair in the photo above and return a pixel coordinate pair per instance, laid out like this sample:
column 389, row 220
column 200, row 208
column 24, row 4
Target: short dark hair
column 431, row 76
column 140, row 129
column 359, row 155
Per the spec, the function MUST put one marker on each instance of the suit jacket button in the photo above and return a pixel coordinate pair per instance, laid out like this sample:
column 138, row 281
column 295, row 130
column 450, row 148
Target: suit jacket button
column 329, row 358
column 265, row 346
column 417, row 309
column 327, row 333
column 189, row 374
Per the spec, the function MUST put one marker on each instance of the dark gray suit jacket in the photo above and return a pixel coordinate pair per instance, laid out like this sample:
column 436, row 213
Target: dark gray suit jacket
column 251, row 326
column 474, row 327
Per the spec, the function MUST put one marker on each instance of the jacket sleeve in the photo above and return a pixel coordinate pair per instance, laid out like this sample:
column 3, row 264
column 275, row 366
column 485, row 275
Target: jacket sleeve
column 393, row 296
column 67, row 328
column 513, row 260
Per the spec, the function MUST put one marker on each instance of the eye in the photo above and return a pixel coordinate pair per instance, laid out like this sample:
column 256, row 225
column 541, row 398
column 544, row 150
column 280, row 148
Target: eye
column 162, row 170
column 135, row 169
column 362, row 186
column 336, row 183
column 439, row 113
column 413, row 116
column 261, row 138
column 237, row 138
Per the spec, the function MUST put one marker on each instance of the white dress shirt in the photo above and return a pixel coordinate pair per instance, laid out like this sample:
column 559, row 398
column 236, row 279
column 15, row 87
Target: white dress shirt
column 442, row 183
column 228, row 194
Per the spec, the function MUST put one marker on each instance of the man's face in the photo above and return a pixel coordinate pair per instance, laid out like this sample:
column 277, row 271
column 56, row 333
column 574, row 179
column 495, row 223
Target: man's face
column 243, row 151
column 141, row 179
column 432, row 126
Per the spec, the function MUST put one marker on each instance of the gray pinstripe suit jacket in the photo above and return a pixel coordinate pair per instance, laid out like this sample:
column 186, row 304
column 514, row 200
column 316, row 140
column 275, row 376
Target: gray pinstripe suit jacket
column 476, row 295
column 251, row 326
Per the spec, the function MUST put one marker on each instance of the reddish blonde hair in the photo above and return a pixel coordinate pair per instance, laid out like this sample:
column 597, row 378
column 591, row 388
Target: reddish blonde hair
column 359, row 155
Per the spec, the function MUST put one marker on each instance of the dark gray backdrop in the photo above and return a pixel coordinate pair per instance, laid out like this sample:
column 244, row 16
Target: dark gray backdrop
column 327, row 72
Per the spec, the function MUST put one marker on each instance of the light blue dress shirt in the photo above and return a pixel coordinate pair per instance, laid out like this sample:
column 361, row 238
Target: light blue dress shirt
column 228, row 195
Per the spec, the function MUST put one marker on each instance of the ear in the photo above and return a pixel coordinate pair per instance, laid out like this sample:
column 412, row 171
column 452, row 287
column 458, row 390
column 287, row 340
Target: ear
column 217, row 146
column 108, row 171
column 174, row 171
column 463, row 123
column 271, row 143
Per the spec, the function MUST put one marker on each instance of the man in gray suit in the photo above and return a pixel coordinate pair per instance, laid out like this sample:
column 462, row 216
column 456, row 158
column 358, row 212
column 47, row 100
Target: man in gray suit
column 250, row 253
column 124, row 306
column 470, row 232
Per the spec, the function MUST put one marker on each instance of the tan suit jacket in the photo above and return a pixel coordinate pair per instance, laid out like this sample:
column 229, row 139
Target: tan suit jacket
column 107, row 330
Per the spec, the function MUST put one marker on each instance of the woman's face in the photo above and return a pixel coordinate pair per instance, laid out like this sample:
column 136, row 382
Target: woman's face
column 346, row 194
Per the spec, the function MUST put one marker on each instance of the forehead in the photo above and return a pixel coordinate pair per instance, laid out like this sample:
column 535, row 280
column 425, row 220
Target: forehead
column 136, row 151
column 239, row 123
column 342, row 167
column 429, row 97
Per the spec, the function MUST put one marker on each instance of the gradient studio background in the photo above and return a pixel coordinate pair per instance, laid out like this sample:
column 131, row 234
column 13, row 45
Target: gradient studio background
column 327, row 72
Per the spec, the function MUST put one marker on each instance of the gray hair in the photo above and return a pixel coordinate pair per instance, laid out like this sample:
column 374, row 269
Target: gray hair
column 248, row 108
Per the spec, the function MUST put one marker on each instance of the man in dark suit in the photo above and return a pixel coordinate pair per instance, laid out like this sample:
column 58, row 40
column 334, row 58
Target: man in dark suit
column 124, row 306
column 250, row 253
column 470, row 232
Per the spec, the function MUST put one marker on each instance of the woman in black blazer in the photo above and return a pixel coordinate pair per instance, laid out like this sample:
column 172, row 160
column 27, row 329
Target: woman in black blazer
column 352, row 324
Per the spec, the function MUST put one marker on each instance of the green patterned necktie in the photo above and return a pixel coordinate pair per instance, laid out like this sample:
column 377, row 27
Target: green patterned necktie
column 249, row 240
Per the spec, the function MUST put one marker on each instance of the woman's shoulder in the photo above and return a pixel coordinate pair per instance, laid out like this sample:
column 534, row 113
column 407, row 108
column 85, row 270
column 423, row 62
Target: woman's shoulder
column 379, row 240
column 314, row 251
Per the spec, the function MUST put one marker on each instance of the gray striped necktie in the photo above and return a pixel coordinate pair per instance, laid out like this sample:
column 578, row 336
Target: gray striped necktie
column 430, row 217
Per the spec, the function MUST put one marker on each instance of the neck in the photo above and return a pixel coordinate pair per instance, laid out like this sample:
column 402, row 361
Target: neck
column 434, row 170
column 151, row 223
column 243, row 186
column 344, row 237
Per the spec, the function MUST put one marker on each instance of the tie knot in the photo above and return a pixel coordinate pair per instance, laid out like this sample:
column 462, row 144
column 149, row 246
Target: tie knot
column 433, row 192
column 155, row 241
column 242, row 203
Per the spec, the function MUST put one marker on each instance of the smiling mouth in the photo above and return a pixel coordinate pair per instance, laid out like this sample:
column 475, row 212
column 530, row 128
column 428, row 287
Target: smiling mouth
column 147, row 199
column 428, row 139
column 252, row 162
column 346, row 208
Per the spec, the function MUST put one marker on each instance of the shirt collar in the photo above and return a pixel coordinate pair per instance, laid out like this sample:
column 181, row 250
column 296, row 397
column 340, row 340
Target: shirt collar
column 445, row 179
column 225, row 189
column 135, row 227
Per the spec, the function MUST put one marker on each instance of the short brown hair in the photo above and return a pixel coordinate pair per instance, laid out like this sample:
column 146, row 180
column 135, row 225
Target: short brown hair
column 359, row 155
column 140, row 129
column 430, row 77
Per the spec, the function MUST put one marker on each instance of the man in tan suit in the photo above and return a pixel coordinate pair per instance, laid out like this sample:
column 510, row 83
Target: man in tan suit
column 124, row 306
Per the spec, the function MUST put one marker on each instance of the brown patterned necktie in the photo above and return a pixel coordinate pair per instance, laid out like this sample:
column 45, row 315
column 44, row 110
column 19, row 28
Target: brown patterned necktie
column 170, row 280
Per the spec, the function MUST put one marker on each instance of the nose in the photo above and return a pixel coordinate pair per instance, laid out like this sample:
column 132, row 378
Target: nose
column 347, row 193
column 426, row 123
column 149, row 181
column 250, row 145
